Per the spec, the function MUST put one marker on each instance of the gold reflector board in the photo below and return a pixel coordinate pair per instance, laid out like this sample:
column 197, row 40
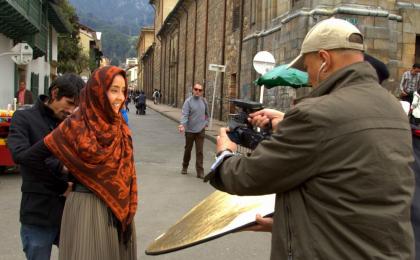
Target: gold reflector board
column 217, row 215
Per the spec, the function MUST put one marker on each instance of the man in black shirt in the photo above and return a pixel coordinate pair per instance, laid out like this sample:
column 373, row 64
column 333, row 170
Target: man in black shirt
column 42, row 187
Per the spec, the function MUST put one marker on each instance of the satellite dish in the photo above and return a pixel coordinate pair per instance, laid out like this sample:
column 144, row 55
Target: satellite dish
column 264, row 62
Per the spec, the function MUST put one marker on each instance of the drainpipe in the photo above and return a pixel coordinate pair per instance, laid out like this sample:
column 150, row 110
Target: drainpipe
column 177, row 63
column 169, row 69
column 239, row 66
column 205, row 48
column 223, row 60
column 195, row 43
column 152, row 69
column 185, row 52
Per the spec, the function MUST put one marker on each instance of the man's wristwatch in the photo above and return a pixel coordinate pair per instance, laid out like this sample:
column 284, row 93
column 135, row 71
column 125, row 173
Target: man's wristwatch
column 220, row 157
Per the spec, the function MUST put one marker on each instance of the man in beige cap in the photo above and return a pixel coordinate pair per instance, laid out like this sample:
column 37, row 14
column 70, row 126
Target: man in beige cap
column 339, row 161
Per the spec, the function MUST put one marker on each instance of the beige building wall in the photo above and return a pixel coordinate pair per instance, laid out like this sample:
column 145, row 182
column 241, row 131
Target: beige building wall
column 146, row 39
column 85, row 39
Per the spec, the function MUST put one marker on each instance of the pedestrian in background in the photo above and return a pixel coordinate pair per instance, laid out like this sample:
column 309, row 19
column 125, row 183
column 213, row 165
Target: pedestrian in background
column 43, row 186
column 95, row 145
column 155, row 96
column 195, row 119
column 23, row 95
column 410, row 83
column 141, row 104
column 338, row 162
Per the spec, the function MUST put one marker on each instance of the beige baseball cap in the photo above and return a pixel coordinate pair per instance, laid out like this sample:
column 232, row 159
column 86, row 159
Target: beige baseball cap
column 328, row 34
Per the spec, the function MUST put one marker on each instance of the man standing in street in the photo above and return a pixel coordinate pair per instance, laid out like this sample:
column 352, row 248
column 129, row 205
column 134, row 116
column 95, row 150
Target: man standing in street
column 194, row 121
column 410, row 82
column 42, row 188
column 338, row 162
column 23, row 96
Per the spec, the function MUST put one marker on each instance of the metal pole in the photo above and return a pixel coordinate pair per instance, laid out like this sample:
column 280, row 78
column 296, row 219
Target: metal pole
column 213, row 98
column 261, row 94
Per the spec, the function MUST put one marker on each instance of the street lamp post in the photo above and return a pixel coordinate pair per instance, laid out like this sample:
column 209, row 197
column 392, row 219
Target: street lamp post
column 218, row 69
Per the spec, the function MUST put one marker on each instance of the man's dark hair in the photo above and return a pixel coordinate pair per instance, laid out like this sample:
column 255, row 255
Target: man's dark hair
column 68, row 85
column 416, row 66
column 379, row 66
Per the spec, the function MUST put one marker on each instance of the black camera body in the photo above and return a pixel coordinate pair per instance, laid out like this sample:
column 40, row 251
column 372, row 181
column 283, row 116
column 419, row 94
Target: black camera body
column 241, row 131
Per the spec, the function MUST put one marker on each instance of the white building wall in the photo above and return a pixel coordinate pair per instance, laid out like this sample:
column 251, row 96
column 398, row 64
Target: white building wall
column 54, row 45
column 7, row 73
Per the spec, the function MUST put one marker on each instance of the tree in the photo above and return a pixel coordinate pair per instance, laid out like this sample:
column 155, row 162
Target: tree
column 70, row 56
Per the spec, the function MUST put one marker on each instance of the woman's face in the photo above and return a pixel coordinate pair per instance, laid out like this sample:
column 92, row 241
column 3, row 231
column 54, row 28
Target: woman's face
column 116, row 92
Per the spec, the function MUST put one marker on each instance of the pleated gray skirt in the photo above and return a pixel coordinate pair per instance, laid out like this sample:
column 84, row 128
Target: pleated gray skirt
column 87, row 234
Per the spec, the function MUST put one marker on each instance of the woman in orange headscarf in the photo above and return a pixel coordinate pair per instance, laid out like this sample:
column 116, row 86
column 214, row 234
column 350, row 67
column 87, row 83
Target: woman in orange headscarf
column 95, row 146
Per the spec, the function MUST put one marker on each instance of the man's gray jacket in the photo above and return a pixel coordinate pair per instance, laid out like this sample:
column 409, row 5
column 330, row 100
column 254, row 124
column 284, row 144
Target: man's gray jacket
column 340, row 166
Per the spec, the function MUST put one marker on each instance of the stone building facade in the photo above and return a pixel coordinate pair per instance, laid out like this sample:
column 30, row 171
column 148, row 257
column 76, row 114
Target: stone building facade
column 146, row 40
column 196, row 33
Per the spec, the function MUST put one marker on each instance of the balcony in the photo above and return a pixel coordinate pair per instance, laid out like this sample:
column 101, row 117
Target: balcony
column 57, row 19
column 38, row 42
column 20, row 17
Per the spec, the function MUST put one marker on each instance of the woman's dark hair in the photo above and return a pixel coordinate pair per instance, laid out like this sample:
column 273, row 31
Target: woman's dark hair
column 68, row 85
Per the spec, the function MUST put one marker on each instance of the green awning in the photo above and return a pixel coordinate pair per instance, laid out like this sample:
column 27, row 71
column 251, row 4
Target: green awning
column 283, row 76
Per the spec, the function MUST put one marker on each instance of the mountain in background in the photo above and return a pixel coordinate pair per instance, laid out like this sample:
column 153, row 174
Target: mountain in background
column 119, row 21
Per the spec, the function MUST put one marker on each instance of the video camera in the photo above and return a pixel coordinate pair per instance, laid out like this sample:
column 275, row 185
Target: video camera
column 241, row 131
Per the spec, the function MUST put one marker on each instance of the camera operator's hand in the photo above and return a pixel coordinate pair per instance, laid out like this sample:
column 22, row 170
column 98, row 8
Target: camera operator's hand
column 262, row 225
column 223, row 141
column 263, row 117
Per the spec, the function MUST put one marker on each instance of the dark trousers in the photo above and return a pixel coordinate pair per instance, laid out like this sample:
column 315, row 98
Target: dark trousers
column 141, row 109
column 198, row 138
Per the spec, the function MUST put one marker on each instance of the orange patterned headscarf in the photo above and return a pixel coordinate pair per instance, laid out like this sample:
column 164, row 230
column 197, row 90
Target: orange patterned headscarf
column 95, row 144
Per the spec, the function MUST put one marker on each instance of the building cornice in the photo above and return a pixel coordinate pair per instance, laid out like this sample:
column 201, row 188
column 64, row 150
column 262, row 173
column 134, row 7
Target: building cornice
column 287, row 17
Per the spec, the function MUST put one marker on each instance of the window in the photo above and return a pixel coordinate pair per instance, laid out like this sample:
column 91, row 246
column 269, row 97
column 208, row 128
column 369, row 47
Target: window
column 46, row 84
column 294, row 2
column 417, row 58
column 34, row 84
column 236, row 16
column 253, row 12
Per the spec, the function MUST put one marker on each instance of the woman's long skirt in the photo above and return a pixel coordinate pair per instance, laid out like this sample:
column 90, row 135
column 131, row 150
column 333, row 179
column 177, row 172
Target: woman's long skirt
column 87, row 233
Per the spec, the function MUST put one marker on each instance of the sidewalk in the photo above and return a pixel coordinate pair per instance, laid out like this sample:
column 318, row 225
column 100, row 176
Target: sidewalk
column 174, row 113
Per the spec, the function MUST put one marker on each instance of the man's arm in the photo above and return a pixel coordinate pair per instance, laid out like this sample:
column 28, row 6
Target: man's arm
column 184, row 118
column 277, row 165
column 402, row 84
column 207, row 114
column 23, row 153
column 18, row 138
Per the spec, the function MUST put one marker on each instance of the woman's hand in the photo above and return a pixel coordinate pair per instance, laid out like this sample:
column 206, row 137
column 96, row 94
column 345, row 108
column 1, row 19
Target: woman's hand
column 69, row 189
